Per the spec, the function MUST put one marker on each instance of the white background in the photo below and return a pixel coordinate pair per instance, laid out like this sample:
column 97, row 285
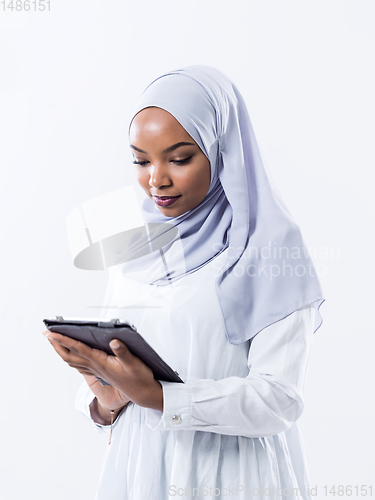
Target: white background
column 69, row 80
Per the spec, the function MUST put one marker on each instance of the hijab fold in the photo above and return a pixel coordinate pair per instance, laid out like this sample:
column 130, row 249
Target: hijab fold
column 268, row 273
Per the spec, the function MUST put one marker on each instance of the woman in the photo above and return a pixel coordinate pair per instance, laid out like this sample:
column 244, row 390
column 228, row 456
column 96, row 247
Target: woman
column 231, row 302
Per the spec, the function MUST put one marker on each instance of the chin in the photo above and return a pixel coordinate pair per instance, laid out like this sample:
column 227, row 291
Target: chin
column 168, row 213
column 171, row 212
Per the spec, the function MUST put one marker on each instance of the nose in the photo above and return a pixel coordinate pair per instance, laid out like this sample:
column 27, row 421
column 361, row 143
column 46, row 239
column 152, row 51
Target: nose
column 159, row 176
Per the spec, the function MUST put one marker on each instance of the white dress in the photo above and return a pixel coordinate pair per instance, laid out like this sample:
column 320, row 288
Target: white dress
column 230, row 430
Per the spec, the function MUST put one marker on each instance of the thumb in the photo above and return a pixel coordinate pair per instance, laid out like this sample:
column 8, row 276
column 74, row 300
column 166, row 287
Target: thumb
column 120, row 350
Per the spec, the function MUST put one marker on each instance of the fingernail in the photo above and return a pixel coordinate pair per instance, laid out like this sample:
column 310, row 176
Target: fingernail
column 115, row 344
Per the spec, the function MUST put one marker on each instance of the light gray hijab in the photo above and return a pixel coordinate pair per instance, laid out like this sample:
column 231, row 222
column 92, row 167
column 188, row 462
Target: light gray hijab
column 268, row 273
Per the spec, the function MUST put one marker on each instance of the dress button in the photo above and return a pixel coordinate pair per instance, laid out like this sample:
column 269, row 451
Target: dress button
column 176, row 419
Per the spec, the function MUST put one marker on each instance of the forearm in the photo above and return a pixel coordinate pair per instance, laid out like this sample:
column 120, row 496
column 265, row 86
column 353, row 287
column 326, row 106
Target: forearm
column 268, row 401
column 250, row 407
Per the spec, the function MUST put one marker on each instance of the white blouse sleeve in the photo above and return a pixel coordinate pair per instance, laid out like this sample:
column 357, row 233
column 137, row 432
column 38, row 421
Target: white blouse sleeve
column 268, row 401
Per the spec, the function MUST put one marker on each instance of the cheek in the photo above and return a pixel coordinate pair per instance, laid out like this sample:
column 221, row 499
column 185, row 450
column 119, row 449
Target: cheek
column 199, row 188
column 203, row 180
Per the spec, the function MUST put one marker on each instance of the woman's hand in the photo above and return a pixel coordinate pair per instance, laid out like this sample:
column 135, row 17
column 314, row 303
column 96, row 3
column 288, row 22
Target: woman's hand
column 108, row 403
column 109, row 397
column 126, row 373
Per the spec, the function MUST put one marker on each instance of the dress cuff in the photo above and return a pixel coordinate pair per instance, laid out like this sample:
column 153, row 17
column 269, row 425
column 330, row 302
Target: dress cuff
column 177, row 409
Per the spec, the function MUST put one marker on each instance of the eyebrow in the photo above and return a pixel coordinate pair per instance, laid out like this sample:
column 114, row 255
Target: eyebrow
column 168, row 150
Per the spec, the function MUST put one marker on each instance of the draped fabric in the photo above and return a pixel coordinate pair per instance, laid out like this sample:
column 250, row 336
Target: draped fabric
column 268, row 273
column 237, row 409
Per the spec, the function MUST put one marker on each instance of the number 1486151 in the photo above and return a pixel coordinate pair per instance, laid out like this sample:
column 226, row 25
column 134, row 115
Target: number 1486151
column 26, row 5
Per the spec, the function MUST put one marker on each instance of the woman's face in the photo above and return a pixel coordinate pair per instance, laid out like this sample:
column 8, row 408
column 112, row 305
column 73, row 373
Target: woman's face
column 170, row 166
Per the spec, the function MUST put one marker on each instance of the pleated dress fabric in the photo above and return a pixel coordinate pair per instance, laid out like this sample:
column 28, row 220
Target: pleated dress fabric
column 231, row 429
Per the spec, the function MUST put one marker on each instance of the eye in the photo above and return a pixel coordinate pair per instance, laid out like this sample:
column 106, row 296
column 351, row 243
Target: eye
column 140, row 162
column 181, row 162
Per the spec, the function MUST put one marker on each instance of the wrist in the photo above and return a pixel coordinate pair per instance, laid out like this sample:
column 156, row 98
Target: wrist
column 102, row 415
column 155, row 399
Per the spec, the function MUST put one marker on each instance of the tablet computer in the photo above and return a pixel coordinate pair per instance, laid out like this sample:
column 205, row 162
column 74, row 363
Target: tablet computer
column 99, row 333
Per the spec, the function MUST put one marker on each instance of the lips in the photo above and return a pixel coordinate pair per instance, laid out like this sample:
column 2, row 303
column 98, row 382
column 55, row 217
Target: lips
column 165, row 201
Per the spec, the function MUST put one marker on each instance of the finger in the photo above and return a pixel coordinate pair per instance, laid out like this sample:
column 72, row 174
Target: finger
column 67, row 355
column 60, row 349
column 121, row 352
column 76, row 346
column 81, row 366
column 71, row 344
column 89, row 373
